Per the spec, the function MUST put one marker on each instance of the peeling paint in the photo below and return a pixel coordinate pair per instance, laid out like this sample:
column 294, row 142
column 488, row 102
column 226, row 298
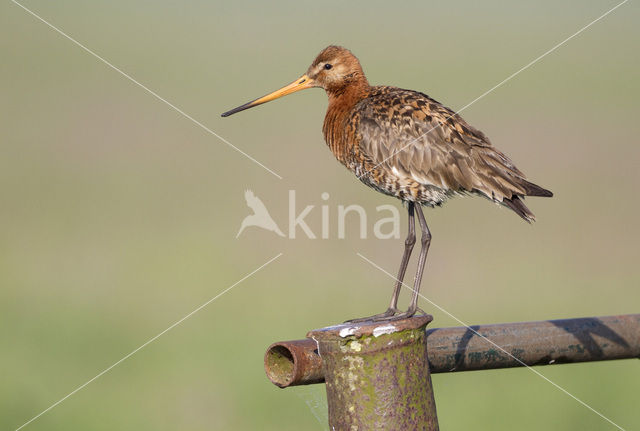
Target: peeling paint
column 382, row 330
column 377, row 377
column 345, row 332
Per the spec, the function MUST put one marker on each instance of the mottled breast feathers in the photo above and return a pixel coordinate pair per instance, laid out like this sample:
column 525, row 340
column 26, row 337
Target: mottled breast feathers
column 425, row 151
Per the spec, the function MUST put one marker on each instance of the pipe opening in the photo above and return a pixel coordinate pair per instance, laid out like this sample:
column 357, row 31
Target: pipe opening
column 280, row 365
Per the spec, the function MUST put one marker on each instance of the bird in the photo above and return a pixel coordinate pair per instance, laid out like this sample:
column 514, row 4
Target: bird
column 260, row 217
column 407, row 145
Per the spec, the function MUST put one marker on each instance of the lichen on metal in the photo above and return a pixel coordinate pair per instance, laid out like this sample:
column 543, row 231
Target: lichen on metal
column 475, row 348
column 378, row 379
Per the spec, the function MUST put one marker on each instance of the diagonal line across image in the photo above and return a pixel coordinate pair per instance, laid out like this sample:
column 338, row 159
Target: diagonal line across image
column 499, row 84
column 198, row 123
column 148, row 90
column 533, row 370
column 151, row 340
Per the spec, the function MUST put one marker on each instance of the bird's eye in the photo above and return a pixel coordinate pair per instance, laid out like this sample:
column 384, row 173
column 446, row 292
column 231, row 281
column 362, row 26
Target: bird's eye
column 327, row 66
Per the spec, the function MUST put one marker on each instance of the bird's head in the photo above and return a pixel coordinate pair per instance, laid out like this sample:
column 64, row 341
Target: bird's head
column 335, row 69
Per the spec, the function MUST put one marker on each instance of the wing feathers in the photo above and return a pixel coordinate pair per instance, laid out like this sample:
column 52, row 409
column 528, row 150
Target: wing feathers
column 413, row 133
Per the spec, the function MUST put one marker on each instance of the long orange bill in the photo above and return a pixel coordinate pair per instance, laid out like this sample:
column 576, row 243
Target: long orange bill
column 299, row 84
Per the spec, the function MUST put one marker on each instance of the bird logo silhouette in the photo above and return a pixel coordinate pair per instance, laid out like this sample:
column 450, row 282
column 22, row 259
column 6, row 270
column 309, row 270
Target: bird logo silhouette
column 260, row 217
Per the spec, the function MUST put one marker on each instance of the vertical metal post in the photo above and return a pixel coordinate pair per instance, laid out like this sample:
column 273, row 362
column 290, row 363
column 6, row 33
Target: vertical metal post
column 377, row 375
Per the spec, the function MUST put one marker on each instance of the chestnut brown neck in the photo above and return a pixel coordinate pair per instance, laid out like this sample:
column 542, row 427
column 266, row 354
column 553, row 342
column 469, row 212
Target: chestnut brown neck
column 354, row 87
column 342, row 100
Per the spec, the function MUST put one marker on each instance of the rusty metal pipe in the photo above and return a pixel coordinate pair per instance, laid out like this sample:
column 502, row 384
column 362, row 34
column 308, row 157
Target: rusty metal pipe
column 377, row 375
column 291, row 363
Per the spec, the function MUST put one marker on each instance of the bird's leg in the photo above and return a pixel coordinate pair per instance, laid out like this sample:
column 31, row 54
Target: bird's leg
column 408, row 248
column 422, row 259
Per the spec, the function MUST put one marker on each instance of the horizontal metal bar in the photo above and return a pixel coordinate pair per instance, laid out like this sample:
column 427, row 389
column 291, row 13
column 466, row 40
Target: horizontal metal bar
column 290, row 363
column 534, row 343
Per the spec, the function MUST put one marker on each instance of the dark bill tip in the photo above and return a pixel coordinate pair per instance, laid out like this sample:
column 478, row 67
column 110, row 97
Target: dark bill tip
column 238, row 109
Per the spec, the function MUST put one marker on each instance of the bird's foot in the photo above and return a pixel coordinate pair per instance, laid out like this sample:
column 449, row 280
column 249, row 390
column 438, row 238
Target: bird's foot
column 390, row 313
column 409, row 313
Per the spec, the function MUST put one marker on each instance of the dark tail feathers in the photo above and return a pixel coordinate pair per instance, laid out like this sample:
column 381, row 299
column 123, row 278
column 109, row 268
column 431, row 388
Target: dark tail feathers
column 536, row 190
column 516, row 204
column 519, row 208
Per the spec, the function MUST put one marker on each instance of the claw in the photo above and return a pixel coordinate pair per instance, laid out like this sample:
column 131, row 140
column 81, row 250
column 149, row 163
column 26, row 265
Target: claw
column 387, row 315
column 390, row 315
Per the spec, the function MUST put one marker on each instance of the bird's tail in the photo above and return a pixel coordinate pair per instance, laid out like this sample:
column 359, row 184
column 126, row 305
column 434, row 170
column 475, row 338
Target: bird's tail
column 536, row 190
column 516, row 205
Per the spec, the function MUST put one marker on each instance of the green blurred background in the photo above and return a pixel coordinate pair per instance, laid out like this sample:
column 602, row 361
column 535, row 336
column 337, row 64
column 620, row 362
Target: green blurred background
column 119, row 216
